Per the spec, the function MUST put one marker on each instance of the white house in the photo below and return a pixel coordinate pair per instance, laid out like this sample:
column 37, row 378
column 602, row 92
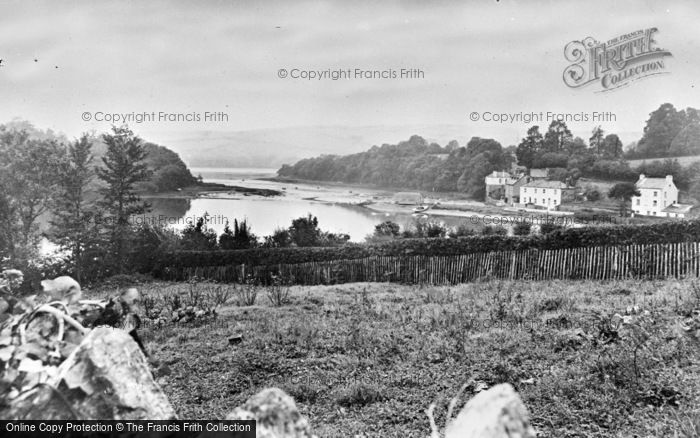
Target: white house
column 496, row 178
column 545, row 194
column 655, row 195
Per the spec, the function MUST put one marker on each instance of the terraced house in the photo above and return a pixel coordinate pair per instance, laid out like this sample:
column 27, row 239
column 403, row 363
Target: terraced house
column 545, row 194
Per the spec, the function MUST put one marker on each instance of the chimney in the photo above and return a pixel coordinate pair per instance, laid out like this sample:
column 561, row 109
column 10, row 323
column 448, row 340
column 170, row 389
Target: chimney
column 669, row 179
column 641, row 177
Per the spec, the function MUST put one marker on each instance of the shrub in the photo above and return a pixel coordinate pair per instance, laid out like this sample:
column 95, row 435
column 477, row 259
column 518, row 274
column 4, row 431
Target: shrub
column 549, row 227
column 522, row 228
column 462, row 230
column 493, row 230
column 592, row 194
column 171, row 265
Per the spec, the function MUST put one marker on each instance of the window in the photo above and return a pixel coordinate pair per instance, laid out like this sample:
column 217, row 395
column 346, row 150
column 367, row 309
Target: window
column 535, row 191
column 544, row 191
column 654, row 204
column 555, row 202
column 656, row 193
column 637, row 201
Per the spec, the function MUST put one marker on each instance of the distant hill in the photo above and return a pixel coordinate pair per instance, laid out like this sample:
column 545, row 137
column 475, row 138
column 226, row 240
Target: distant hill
column 271, row 148
column 169, row 171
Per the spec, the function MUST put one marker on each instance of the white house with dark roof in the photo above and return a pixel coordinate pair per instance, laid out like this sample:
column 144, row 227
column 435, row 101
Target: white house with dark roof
column 658, row 197
column 545, row 194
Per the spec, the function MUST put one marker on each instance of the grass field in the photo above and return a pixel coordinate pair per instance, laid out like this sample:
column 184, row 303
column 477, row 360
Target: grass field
column 683, row 161
column 368, row 359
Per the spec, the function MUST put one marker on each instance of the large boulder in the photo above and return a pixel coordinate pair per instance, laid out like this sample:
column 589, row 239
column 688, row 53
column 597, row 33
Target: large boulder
column 495, row 413
column 276, row 414
column 106, row 377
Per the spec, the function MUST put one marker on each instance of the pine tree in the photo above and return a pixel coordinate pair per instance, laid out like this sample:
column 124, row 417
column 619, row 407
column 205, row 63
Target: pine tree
column 73, row 226
column 124, row 167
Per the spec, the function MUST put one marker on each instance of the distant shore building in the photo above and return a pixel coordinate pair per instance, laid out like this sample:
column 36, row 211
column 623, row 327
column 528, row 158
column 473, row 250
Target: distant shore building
column 546, row 194
column 408, row 198
column 539, row 173
column 658, row 197
column 513, row 190
column 496, row 183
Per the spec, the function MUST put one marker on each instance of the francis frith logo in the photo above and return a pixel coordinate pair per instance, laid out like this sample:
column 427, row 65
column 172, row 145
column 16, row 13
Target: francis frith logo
column 616, row 62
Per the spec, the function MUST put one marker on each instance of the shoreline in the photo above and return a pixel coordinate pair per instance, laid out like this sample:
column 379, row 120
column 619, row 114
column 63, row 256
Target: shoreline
column 201, row 190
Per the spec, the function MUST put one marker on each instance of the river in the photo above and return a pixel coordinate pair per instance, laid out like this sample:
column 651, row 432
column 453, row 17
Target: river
column 335, row 206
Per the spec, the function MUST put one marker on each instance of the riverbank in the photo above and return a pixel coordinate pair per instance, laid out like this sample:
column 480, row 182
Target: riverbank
column 204, row 189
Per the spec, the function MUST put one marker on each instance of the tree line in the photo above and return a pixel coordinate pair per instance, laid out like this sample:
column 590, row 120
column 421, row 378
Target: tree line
column 420, row 165
column 83, row 192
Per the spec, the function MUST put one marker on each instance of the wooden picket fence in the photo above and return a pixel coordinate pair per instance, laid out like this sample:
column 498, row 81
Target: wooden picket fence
column 649, row 261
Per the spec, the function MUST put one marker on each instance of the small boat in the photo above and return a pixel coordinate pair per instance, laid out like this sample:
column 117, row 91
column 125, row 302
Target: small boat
column 420, row 209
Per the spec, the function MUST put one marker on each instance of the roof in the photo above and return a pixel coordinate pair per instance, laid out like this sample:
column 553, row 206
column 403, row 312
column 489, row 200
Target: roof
column 546, row 184
column 496, row 174
column 538, row 173
column 678, row 208
column 519, row 181
column 652, row 183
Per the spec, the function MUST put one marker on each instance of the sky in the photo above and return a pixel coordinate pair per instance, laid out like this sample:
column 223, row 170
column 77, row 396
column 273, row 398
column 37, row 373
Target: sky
column 62, row 59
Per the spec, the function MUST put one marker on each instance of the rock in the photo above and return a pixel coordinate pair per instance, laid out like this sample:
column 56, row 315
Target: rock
column 106, row 377
column 276, row 414
column 496, row 413
column 235, row 339
column 62, row 289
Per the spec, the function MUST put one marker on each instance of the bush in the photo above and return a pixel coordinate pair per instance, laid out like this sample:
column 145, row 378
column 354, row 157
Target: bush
column 549, row 227
column 522, row 228
column 170, row 265
column 592, row 195
column 462, row 230
column 493, row 230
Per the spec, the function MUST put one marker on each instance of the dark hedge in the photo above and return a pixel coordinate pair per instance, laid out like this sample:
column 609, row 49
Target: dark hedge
column 666, row 232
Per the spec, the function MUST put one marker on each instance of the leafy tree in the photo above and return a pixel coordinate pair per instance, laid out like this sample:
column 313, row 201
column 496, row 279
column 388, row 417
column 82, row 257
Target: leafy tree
column 575, row 147
column 592, row 194
column 556, row 137
column 529, row 147
column 387, row 228
column 74, row 224
column 425, row 229
column 123, row 168
column 661, row 129
column 623, row 192
column 305, row 232
column 687, row 142
column 28, row 185
column 240, row 238
column 597, row 140
column 198, row 237
column 280, row 238
column 612, row 147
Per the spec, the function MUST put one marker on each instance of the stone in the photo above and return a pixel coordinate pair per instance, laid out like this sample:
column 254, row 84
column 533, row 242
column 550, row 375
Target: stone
column 276, row 415
column 106, row 377
column 235, row 339
column 495, row 413
column 62, row 289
